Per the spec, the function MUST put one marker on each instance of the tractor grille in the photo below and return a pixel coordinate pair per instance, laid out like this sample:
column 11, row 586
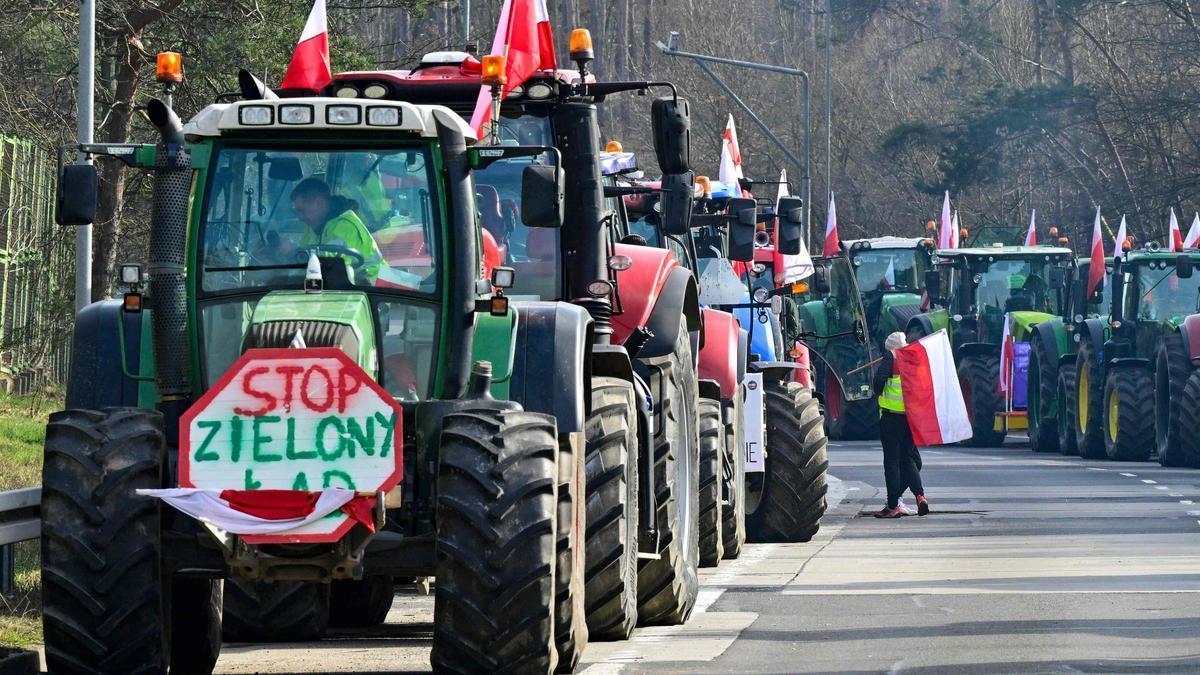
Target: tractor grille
column 276, row 334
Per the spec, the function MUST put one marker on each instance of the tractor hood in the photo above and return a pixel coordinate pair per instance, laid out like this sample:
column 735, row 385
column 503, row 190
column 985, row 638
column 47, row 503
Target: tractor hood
column 339, row 319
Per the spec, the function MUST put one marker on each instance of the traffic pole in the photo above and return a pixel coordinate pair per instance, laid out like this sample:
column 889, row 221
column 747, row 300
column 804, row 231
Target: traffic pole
column 87, row 70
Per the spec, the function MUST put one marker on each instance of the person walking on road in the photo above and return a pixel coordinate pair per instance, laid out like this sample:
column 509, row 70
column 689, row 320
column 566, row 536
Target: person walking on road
column 901, row 460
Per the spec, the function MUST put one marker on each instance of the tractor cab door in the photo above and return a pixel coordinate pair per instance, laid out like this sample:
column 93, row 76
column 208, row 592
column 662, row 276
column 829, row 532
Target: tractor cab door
column 832, row 324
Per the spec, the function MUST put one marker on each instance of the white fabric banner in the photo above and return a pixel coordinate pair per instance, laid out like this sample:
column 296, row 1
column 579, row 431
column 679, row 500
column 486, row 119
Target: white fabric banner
column 208, row 506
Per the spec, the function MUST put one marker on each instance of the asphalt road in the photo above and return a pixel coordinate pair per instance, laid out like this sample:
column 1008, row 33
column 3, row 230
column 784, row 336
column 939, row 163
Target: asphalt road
column 1028, row 563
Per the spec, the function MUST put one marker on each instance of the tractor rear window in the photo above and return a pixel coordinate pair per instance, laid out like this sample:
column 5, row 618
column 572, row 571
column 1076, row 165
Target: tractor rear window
column 892, row 269
column 371, row 216
column 1015, row 285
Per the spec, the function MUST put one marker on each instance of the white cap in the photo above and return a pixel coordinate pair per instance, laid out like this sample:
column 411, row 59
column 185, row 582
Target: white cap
column 895, row 341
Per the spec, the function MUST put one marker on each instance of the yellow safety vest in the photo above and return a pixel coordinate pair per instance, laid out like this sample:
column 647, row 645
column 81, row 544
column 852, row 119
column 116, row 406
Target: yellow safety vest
column 347, row 229
column 892, row 398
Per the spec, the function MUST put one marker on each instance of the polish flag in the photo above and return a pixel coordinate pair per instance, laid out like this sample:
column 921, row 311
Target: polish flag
column 266, row 511
column 1031, row 235
column 731, row 158
column 956, row 232
column 1176, row 239
column 831, row 230
column 1192, row 240
column 790, row 268
column 1121, row 236
column 946, row 233
column 1096, row 268
column 309, row 69
column 933, row 399
column 524, row 39
column 1007, row 354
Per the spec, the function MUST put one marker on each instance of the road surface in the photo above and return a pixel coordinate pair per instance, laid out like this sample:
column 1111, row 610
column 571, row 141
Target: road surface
column 1029, row 563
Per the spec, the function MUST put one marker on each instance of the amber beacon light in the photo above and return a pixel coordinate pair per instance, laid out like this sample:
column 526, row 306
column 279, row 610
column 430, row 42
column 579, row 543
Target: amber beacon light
column 169, row 67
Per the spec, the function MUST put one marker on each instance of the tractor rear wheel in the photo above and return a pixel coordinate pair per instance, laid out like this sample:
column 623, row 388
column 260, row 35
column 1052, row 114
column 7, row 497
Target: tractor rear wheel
column 733, row 483
column 977, row 376
column 667, row 586
column 195, row 624
column 1089, row 397
column 796, row 454
column 612, row 510
column 362, row 603
column 1066, row 414
column 570, row 613
column 1189, row 421
column 497, row 514
column 1043, row 397
column 275, row 611
column 1128, row 415
column 712, row 441
column 1172, row 368
column 847, row 420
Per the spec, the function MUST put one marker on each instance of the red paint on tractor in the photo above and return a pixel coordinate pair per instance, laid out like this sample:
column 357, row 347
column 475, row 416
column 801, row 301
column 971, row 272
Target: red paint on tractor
column 639, row 286
column 1191, row 331
column 718, row 356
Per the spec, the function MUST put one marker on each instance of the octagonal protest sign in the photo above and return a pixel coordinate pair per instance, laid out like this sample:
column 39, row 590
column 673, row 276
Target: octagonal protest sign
column 294, row 419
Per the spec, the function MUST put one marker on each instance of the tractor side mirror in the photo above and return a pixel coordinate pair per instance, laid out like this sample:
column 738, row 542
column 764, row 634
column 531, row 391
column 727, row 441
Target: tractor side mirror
column 742, row 214
column 542, row 196
column 933, row 283
column 821, row 280
column 675, row 203
column 860, row 332
column 1183, row 266
column 791, row 217
column 671, row 122
column 1058, row 277
column 78, row 185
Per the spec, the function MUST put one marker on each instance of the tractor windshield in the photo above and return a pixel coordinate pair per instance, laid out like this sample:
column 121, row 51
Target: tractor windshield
column 1162, row 296
column 532, row 252
column 887, row 269
column 1014, row 284
column 267, row 209
column 832, row 315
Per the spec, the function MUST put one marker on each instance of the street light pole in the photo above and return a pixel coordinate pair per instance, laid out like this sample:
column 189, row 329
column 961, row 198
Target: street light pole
column 828, row 102
column 87, row 70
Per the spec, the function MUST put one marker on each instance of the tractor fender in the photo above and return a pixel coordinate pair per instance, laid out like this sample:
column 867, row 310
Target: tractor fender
column 611, row 361
column 743, row 353
column 775, row 370
column 638, row 288
column 552, row 360
column 1051, row 335
column 678, row 296
column 106, row 358
column 1092, row 330
column 1129, row 362
column 1190, row 330
column 976, row 349
column 719, row 355
column 920, row 323
column 710, row 389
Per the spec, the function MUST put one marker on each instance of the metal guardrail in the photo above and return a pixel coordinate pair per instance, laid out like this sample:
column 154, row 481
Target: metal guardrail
column 20, row 520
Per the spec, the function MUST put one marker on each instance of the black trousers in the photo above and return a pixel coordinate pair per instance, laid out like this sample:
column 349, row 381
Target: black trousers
column 901, row 460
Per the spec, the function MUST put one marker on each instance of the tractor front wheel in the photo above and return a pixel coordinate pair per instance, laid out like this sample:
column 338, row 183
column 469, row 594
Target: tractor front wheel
column 1066, row 412
column 1172, row 368
column 1189, row 421
column 1089, row 395
column 978, row 375
column 733, row 482
column 712, row 440
column 275, row 611
column 362, row 603
column 570, row 612
column 1128, row 415
column 497, row 514
column 1042, row 403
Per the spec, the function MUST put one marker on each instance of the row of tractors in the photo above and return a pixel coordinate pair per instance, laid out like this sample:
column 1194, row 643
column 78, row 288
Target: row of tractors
column 590, row 402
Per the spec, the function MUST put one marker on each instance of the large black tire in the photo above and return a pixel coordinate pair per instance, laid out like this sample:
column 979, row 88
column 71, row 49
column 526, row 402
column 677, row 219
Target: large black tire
column 1172, row 368
column 497, row 509
column 1189, row 421
column 977, row 376
column 1043, row 410
column 103, row 601
column 195, row 624
column 796, row 455
column 712, row 459
column 612, row 510
column 1066, row 415
column 667, row 585
column 362, row 603
column 570, row 613
column 851, row 420
column 1128, row 415
column 733, row 482
column 1089, row 402
column 279, row 611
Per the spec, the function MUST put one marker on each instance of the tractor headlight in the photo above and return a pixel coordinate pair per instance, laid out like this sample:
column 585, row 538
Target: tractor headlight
column 599, row 288
column 255, row 115
column 503, row 277
column 375, row 91
column 380, row 116
column 343, row 115
column 346, row 91
column 539, row 90
column 295, row 114
column 131, row 274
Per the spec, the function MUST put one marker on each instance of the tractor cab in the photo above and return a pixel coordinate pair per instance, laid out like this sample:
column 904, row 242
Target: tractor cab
column 891, row 275
column 1153, row 292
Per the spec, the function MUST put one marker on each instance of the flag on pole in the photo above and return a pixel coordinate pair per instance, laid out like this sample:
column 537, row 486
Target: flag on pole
column 790, row 268
column 1121, row 236
column 1006, row 359
column 266, row 511
column 889, row 275
column 524, row 39
column 956, row 232
column 1096, row 268
column 948, row 226
column 1192, row 240
column 1176, row 239
column 309, row 68
column 731, row 158
column 831, row 230
column 1031, row 235
column 933, row 399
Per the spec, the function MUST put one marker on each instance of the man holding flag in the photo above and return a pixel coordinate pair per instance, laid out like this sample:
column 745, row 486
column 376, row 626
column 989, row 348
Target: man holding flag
column 901, row 459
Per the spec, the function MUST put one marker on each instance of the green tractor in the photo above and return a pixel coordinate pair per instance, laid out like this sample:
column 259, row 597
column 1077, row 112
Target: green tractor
column 1131, row 369
column 1052, row 347
column 890, row 273
column 485, row 477
column 975, row 289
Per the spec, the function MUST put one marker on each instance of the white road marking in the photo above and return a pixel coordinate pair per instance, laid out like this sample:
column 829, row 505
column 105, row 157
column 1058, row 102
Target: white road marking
column 1131, row 475
column 1185, row 501
column 1095, row 468
column 1161, row 487
column 1147, row 481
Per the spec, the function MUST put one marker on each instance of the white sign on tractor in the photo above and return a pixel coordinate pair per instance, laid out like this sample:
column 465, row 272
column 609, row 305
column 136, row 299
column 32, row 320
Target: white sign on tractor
column 752, row 423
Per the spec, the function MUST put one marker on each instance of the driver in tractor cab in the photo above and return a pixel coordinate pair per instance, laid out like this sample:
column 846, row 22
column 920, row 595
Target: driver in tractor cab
column 332, row 221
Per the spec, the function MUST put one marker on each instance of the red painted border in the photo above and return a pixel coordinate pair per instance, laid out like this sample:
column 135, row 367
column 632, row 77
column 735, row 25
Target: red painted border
column 280, row 354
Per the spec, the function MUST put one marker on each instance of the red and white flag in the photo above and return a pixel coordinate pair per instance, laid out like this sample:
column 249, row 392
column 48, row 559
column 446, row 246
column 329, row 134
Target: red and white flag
column 1176, row 239
column 933, row 399
column 524, row 39
column 730, row 168
column 1120, row 242
column 790, row 268
column 1192, row 240
column 266, row 511
column 1096, row 267
column 1007, row 356
column 1031, row 235
column 832, row 247
column 309, row 69
column 948, row 231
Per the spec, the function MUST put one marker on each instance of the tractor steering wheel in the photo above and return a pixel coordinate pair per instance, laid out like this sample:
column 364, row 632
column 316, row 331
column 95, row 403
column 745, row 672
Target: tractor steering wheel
column 358, row 259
